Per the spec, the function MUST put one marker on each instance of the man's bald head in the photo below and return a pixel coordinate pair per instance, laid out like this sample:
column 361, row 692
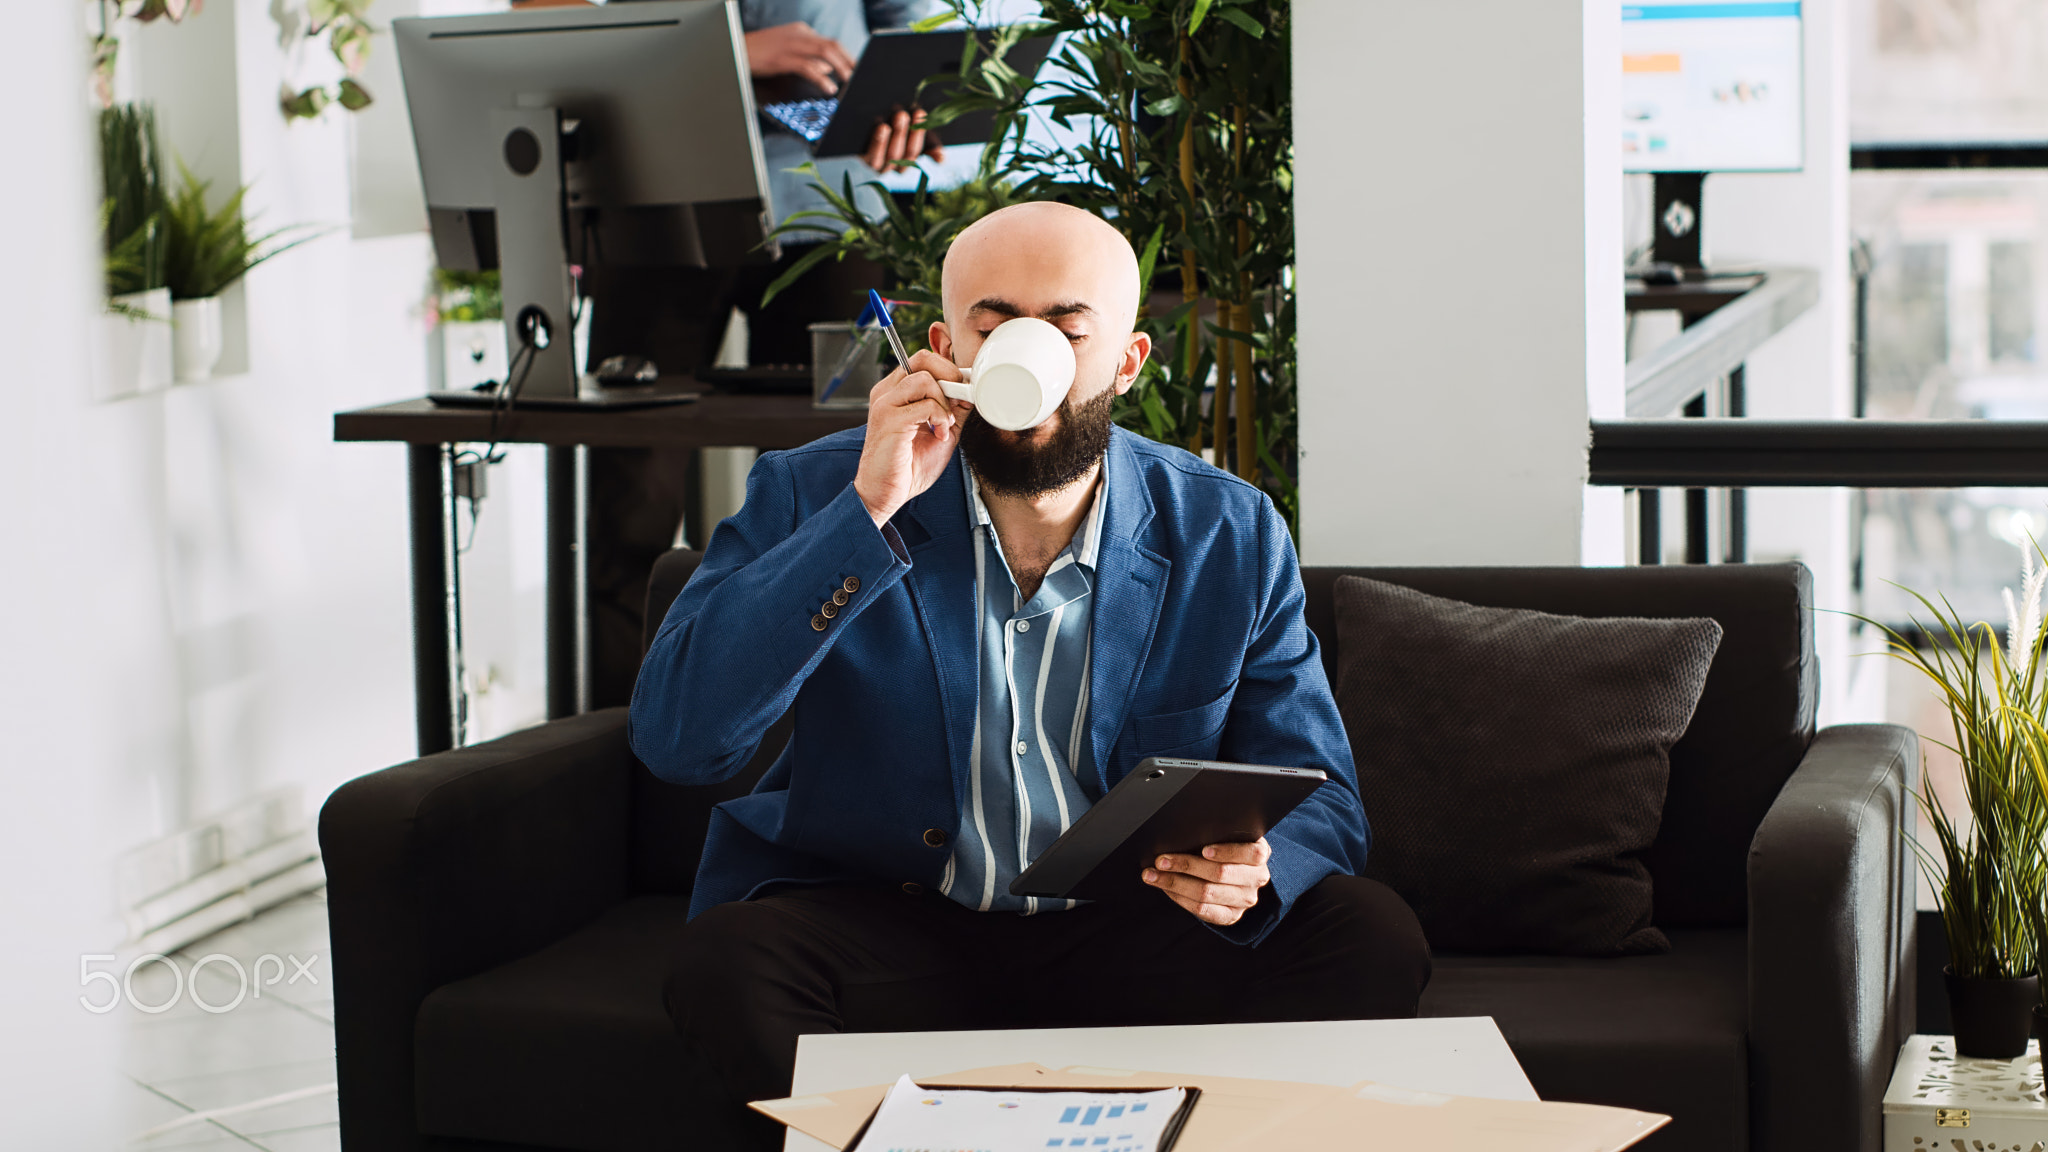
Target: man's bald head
column 1041, row 258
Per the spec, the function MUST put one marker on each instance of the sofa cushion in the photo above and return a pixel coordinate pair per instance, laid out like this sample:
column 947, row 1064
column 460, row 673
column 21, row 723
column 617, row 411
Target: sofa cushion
column 1660, row 1033
column 568, row 1047
column 1754, row 721
column 1514, row 762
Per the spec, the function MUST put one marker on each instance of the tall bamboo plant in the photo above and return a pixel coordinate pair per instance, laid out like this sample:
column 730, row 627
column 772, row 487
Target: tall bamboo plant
column 1183, row 112
column 1991, row 868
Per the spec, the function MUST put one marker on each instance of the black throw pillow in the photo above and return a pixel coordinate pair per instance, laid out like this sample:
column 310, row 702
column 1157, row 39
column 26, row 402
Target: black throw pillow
column 1513, row 763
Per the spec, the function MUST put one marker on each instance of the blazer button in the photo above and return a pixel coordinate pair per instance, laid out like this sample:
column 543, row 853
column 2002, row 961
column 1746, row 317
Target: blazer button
column 817, row 623
column 828, row 610
column 913, row 888
column 839, row 596
column 934, row 838
column 851, row 584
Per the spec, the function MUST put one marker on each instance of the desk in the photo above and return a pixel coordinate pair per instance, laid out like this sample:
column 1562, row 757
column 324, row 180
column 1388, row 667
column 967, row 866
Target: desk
column 1462, row 1056
column 717, row 420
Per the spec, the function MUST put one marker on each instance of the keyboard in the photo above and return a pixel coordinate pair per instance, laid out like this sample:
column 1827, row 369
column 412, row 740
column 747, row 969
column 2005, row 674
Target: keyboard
column 806, row 118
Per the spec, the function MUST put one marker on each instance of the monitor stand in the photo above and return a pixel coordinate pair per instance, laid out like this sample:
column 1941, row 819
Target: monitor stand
column 1676, row 227
column 533, row 259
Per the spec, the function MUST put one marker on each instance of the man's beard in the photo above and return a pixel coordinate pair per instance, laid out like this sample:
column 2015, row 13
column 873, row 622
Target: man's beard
column 1025, row 469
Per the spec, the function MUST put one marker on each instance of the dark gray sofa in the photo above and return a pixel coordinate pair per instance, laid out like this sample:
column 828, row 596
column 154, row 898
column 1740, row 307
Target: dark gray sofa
column 500, row 913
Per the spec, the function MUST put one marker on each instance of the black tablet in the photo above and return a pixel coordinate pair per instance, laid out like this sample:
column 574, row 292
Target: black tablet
column 1163, row 806
column 891, row 67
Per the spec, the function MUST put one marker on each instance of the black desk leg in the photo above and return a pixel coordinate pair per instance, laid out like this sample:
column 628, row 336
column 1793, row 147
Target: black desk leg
column 1649, row 525
column 433, row 668
column 1738, row 498
column 1696, row 502
column 564, row 562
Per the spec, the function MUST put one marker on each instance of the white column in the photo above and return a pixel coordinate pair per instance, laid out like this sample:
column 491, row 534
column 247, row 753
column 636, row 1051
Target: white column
column 1458, row 221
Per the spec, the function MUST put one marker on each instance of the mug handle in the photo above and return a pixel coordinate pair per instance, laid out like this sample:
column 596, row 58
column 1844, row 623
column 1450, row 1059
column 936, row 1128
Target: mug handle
column 959, row 391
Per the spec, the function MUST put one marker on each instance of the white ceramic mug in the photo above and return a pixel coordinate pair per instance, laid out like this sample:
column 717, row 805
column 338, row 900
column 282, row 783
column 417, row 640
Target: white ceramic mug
column 1023, row 371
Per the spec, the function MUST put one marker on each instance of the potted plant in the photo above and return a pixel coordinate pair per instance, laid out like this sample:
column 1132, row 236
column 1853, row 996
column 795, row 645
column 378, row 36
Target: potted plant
column 205, row 251
column 135, row 338
column 467, row 339
column 1990, row 868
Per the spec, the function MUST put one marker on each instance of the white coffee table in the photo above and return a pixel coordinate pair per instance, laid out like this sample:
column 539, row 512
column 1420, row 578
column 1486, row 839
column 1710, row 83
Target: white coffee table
column 1463, row 1056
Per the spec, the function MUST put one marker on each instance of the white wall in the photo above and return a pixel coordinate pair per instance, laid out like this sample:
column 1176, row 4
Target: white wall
column 1460, row 277
column 1804, row 372
column 59, row 775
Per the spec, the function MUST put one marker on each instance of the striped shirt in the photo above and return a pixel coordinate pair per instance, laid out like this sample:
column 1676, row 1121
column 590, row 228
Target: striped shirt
column 1031, row 724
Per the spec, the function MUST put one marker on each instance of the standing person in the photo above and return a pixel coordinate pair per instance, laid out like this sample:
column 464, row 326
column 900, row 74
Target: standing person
column 979, row 633
column 675, row 316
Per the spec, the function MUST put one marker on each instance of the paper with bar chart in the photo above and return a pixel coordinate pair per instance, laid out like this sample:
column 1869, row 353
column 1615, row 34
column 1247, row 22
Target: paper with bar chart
column 914, row 1119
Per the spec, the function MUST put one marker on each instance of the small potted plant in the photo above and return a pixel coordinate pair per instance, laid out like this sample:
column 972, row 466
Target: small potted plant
column 205, row 251
column 467, row 342
column 134, row 343
column 1990, row 867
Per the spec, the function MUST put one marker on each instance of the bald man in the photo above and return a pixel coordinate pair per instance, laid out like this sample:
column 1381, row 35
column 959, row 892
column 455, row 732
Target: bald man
column 980, row 632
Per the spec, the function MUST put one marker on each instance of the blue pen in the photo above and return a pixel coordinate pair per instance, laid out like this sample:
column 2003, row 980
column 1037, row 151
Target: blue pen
column 880, row 309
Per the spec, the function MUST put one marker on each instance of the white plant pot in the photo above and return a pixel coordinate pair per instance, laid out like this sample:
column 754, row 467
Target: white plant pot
column 132, row 353
column 195, row 338
column 471, row 352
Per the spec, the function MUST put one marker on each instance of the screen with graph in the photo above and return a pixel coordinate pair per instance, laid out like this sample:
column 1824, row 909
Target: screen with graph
column 1711, row 87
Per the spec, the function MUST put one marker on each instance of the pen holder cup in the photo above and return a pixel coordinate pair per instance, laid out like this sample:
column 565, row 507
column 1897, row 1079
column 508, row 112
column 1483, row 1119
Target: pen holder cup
column 833, row 352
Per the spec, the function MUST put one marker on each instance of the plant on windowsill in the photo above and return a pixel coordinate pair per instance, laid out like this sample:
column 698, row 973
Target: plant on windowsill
column 206, row 251
column 133, row 341
column 1990, row 867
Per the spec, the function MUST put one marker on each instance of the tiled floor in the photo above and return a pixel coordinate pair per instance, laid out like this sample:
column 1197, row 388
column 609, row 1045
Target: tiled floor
column 192, row 1073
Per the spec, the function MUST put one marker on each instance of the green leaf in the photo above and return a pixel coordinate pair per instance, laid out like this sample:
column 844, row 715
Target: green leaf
column 354, row 96
column 1148, row 261
column 818, row 255
column 1237, row 16
column 1167, row 106
column 934, row 23
column 1195, row 20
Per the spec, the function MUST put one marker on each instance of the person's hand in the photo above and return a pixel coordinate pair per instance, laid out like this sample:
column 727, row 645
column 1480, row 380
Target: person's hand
column 1220, row 885
column 796, row 49
column 911, row 433
column 898, row 141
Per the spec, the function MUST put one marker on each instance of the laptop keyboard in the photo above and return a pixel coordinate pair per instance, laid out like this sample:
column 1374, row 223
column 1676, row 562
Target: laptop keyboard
column 806, row 118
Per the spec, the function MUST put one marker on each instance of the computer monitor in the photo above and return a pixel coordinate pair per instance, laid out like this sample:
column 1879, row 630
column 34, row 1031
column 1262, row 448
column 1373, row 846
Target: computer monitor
column 1715, row 86
column 600, row 136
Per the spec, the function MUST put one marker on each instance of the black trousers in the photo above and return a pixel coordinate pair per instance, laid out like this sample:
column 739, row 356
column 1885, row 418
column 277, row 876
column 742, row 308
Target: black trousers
column 749, row 978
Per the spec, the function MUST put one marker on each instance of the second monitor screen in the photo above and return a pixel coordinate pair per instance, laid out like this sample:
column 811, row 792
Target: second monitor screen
column 1711, row 87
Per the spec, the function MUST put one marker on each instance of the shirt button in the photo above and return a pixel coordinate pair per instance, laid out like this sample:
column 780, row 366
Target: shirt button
column 851, row 584
column 839, row 596
column 1023, row 747
column 1023, row 625
column 934, row 838
column 828, row 609
column 817, row 623
column 913, row 888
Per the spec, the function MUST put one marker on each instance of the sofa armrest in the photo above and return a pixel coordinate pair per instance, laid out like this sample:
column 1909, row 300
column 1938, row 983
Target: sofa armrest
column 452, row 864
column 1831, row 897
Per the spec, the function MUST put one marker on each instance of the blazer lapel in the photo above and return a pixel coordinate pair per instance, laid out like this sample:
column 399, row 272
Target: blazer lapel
column 1130, row 588
column 935, row 530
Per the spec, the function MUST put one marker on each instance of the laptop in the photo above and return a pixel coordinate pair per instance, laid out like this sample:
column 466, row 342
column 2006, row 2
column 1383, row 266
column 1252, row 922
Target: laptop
column 887, row 78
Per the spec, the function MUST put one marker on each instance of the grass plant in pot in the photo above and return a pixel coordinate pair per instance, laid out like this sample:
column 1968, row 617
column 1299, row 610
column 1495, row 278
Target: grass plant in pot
column 134, row 344
column 1989, row 867
column 205, row 251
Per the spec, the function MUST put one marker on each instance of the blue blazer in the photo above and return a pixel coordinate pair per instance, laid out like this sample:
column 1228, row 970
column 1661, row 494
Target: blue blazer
column 1199, row 650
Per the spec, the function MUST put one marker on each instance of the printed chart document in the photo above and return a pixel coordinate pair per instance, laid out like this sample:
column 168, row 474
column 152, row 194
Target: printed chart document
column 914, row 1119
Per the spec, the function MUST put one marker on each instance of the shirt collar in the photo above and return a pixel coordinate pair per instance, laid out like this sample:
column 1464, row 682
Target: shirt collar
column 1087, row 542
